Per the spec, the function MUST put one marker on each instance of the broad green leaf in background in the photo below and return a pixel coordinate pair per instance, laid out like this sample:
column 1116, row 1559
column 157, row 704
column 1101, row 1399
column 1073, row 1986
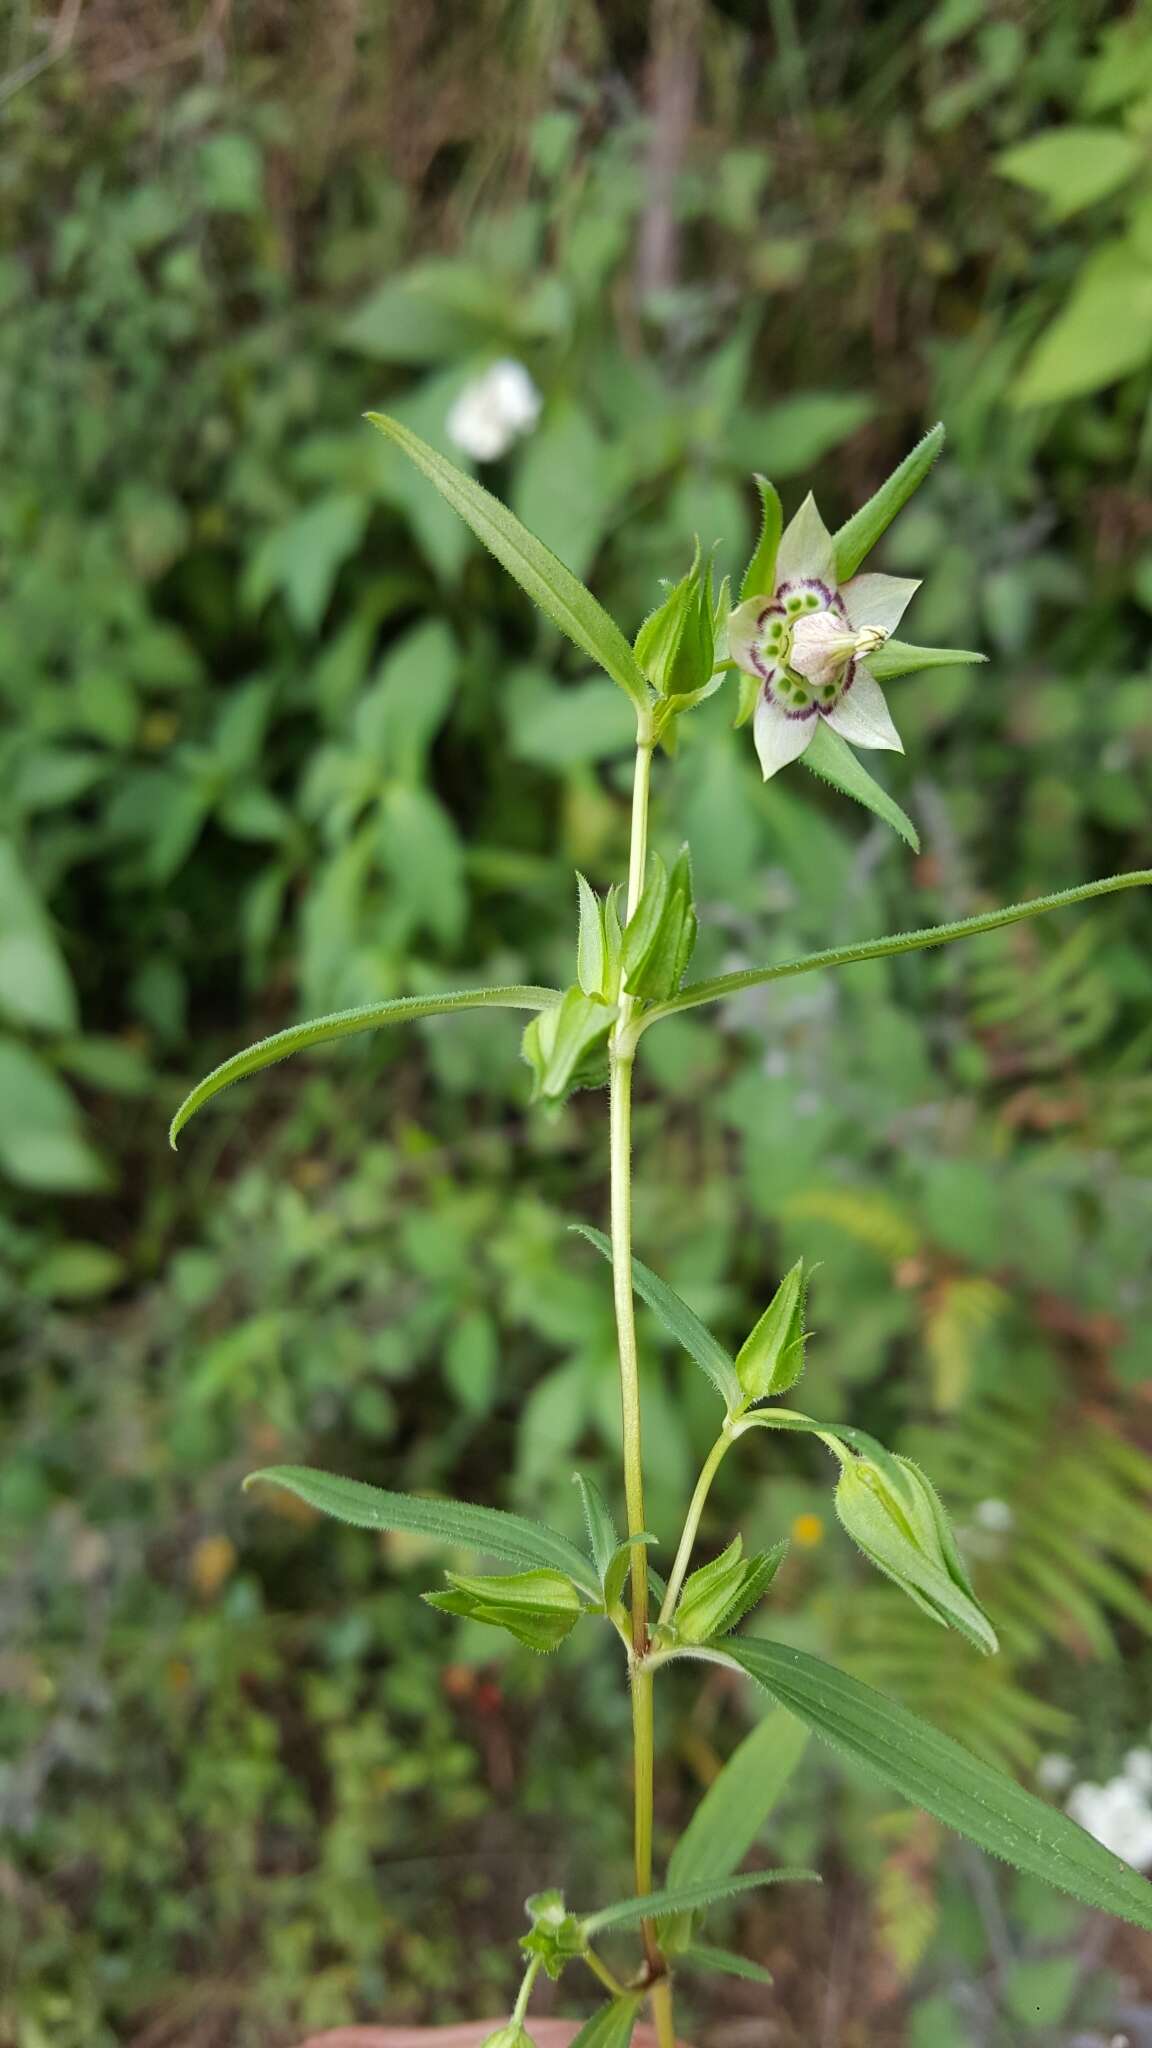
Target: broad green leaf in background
column 1103, row 331
column 559, row 594
column 678, row 1319
column 831, row 757
column 567, row 484
column 342, row 1023
column 860, row 534
column 1073, row 167
column 35, row 985
column 42, row 1144
column 690, row 1898
column 793, row 436
column 491, row 1530
column 897, row 942
column 613, row 2025
column 303, row 559
column 935, row 1773
column 562, row 726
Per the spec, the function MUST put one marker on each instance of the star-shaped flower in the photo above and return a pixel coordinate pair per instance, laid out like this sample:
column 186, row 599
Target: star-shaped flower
column 807, row 643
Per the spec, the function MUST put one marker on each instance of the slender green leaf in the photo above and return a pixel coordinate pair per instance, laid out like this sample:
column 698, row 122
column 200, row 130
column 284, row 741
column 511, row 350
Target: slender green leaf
column 760, row 575
column 722, row 1960
column 679, row 1320
column 738, row 1801
column 830, row 757
column 771, row 1359
column 590, row 955
column 491, row 1530
column 341, row 1024
column 900, row 658
column 619, row 1566
column 863, row 530
column 612, row 2026
column 935, row 1773
column 559, row 594
column 690, row 1898
column 897, row 942
column 603, row 1538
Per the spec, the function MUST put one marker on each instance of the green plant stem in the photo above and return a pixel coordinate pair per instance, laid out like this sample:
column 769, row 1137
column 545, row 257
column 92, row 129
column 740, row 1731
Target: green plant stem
column 620, row 1154
column 708, row 1473
column 600, row 1969
column 525, row 1992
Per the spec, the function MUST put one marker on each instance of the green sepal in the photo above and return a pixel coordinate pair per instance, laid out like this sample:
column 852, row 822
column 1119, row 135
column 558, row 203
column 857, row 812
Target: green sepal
column 511, row 2036
column 661, row 935
column 828, row 755
column 760, row 575
column 590, row 952
column 676, row 645
column 721, row 1593
column 616, row 1576
column 538, row 1608
column 893, row 1514
column 900, row 658
column 860, row 534
column 611, row 1556
column 747, row 693
column 556, row 1936
column 566, row 1046
column 771, row 1359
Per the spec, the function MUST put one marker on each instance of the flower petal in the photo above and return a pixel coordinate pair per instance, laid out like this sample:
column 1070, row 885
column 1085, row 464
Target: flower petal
column 862, row 716
column 744, row 635
column 779, row 739
column 877, row 600
column 806, row 548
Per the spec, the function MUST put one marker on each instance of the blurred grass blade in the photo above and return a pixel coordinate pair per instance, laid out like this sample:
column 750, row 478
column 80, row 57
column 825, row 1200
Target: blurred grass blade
column 734, row 1809
column 612, row 2026
column 936, row 1774
column 690, row 1898
column 896, row 942
column 678, row 1319
column 491, row 1530
column 830, row 757
column 559, row 594
column 724, row 1963
column 863, row 530
column 342, row 1024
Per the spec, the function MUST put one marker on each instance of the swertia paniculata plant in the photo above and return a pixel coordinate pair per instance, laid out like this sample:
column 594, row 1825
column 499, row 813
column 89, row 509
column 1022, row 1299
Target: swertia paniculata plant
column 811, row 644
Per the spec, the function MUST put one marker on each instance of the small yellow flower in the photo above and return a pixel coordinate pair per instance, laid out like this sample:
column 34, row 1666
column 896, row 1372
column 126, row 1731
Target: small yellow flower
column 808, row 1531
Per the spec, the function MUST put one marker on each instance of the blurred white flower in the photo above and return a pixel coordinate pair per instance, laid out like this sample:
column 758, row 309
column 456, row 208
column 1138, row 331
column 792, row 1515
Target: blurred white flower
column 494, row 410
column 1138, row 1768
column 1119, row 1816
column 995, row 1516
column 1054, row 1772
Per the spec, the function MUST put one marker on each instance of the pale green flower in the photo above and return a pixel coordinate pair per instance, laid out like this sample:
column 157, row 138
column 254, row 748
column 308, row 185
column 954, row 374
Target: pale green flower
column 807, row 643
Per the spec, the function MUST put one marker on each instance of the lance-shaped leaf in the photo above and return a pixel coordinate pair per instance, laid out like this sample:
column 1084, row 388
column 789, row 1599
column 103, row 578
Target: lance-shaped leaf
column 489, row 1530
column 559, row 594
column 342, row 1024
column 896, row 942
column 932, row 1771
column 613, row 2025
column 690, row 1898
column 661, row 934
column 829, row 756
column 861, row 533
column 723, row 1963
column 900, row 658
column 733, row 1811
column 611, row 1557
column 760, row 575
column 679, row 1320
column 771, row 1359
column 591, row 952
column 538, row 1608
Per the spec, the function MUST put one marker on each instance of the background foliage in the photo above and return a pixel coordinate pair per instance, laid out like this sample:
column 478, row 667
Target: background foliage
column 279, row 740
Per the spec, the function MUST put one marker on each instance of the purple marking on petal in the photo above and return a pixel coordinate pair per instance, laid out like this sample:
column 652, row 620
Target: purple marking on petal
column 842, row 692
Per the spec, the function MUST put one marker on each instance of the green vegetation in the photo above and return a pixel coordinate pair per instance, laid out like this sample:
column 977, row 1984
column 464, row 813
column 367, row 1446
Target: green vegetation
column 279, row 736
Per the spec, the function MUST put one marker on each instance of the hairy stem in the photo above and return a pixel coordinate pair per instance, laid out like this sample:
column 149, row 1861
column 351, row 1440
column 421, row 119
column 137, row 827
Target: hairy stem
column 521, row 2005
column 620, row 1148
column 692, row 1523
